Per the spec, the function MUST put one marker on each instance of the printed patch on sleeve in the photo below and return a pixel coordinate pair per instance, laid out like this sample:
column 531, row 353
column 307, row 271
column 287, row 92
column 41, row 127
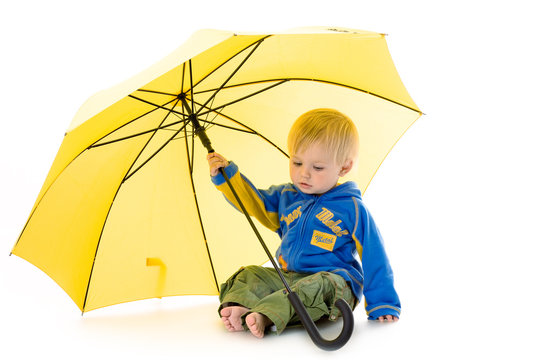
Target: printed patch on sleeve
column 323, row 240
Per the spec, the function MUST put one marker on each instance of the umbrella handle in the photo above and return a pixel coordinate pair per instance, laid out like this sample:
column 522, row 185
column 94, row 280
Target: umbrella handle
column 314, row 334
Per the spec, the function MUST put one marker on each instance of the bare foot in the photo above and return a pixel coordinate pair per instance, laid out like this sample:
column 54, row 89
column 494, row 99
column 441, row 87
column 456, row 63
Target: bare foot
column 232, row 317
column 257, row 323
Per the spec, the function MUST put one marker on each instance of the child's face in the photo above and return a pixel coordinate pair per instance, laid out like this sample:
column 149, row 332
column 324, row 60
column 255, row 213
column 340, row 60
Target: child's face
column 314, row 170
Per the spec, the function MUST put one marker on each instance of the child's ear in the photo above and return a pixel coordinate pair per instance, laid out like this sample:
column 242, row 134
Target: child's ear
column 347, row 166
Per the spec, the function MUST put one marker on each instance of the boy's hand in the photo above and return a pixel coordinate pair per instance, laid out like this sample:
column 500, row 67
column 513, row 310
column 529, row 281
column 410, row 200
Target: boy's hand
column 389, row 318
column 215, row 162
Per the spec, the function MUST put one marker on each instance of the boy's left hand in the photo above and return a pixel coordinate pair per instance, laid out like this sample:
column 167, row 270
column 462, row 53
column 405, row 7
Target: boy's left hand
column 389, row 318
column 216, row 161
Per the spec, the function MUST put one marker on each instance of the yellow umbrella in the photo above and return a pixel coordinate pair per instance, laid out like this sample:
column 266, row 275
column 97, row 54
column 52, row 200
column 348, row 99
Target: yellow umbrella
column 127, row 211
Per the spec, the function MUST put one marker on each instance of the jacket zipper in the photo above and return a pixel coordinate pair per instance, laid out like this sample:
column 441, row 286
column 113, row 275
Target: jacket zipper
column 300, row 240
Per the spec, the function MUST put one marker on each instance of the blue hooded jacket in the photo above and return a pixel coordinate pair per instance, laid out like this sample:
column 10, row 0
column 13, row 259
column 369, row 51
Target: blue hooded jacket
column 328, row 232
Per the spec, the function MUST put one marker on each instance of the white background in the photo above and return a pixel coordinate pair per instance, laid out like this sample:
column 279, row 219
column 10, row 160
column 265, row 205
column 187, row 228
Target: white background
column 457, row 199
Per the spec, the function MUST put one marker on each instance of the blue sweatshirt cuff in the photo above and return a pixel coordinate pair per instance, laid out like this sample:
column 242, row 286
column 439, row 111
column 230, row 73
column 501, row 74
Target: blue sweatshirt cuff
column 230, row 170
column 383, row 310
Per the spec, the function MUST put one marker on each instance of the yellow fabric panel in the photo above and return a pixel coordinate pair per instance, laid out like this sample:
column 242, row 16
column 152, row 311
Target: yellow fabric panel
column 153, row 217
column 380, row 123
column 62, row 233
column 197, row 43
column 88, row 133
column 203, row 65
column 314, row 57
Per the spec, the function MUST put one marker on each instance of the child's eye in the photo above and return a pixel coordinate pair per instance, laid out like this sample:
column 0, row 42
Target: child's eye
column 296, row 163
column 318, row 168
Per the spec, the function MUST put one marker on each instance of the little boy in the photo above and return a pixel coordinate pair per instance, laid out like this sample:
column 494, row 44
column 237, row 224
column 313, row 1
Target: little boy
column 323, row 226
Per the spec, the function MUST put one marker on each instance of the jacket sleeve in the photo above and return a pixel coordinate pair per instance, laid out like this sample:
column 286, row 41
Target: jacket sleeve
column 261, row 204
column 380, row 295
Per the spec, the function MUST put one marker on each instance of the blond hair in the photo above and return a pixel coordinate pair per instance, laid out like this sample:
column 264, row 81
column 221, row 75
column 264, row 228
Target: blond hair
column 328, row 127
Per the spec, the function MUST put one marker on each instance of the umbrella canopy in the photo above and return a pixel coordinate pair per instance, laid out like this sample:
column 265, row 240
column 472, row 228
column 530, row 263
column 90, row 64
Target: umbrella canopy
column 127, row 211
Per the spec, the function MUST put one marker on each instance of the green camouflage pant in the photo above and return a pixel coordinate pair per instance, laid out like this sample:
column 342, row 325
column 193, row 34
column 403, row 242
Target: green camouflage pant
column 261, row 290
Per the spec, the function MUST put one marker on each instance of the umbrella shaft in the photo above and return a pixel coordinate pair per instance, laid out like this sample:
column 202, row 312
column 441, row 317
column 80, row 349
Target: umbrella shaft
column 199, row 130
column 201, row 133
column 204, row 139
column 278, row 270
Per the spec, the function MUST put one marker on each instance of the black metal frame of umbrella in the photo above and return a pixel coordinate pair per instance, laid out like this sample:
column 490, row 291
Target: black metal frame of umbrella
column 296, row 302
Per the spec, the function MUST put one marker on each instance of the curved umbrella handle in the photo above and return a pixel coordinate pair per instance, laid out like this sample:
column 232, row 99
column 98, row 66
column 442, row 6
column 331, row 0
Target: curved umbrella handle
column 346, row 331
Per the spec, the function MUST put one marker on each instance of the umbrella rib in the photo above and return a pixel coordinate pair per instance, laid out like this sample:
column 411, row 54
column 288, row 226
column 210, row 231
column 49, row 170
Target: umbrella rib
column 150, row 139
column 243, row 84
column 191, row 89
column 388, row 153
column 190, row 163
column 165, row 127
column 109, row 211
column 183, row 77
column 229, row 59
column 191, row 75
column 230, row 76
column 314, row 80
column 97, row 248
column 217, row 113
column 357, row 89
column 129, row 122
column 157, row 92
column 249, row 130
column 208, row 114
column 191, row 159
column 155, row 153
column 212, row 123
column 157, row 105
column 245, row 97
column 74, row 158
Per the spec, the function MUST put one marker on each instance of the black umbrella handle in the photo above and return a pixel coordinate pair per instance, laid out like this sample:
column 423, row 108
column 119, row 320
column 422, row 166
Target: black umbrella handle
column 314, row 334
